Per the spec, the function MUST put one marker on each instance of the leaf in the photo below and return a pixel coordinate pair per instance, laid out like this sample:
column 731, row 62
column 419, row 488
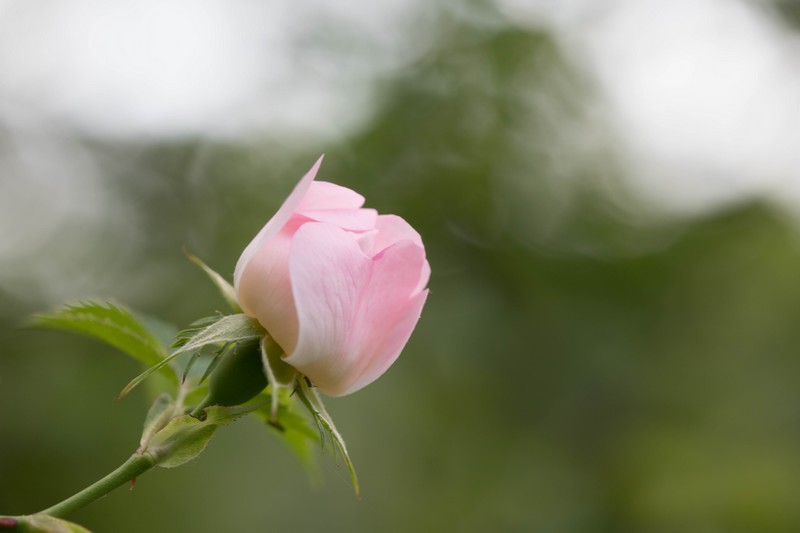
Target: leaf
column 40, row 523
column 230, row 328
column 111, row 323
column 313, row 403
column 225, row 288
column 158, row 416
column 185, row 437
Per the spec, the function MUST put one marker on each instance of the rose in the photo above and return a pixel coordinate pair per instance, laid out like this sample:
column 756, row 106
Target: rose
column 340, row 288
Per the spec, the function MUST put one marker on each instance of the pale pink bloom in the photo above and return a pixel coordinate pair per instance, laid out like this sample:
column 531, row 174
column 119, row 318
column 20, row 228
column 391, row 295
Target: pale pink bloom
column 339, row 287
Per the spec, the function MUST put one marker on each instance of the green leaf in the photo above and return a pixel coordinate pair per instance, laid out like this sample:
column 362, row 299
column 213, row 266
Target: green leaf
column 39, row 523
column 111, row 323
column 230, row 328
column 313, row 403
column 225, row 288
column 185, row 437
column 158, row 416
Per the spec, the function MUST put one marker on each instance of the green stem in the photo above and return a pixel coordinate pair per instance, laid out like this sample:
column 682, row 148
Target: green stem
column 136, row 465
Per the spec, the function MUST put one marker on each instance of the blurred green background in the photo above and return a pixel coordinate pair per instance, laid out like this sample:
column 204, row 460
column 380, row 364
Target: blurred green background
column 592, row 357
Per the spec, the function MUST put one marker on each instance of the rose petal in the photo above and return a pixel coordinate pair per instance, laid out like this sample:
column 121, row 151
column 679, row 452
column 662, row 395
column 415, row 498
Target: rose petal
column 327, row 271
column 394, row 341
column 326, row 195
column 391, row 229
column 390, row 308
column 354, row 313
column 365, row 240
column 265, row 291
column 277, row 222
column 349, row 219
column 424, row 276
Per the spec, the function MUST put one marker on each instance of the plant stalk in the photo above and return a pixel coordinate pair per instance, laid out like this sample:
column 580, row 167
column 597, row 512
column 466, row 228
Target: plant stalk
column 136, row 465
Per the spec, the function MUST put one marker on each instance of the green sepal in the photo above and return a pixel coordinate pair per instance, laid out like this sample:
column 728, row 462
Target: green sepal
column 39, row 523
column 308, row 395
column 112, row 324
column 186, row 334
column 185, row 437
column 217, row 357
column 189, row 366
column 225, row 288
column 280, row 374
column 294, row 430
column 159, row 415
column 283, row 372
column 229, row 328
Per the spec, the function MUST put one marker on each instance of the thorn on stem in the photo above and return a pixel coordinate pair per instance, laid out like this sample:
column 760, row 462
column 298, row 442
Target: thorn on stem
column 133, row 483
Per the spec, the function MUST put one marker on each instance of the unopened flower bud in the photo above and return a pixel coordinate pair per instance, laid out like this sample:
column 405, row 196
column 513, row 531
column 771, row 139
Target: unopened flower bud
column 338, row 286
column 238, row 377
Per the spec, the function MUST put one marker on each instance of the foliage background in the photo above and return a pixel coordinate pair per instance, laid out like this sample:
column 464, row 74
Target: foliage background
column 590, row 359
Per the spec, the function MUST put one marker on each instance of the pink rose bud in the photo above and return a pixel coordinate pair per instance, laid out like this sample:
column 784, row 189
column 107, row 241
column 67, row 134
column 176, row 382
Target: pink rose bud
column 339, row 287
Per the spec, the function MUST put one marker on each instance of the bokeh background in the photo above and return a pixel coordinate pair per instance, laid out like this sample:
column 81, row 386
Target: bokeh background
column 608, row 191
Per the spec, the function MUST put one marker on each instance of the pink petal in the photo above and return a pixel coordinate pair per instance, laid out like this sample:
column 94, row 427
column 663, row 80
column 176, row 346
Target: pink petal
column 389, row 311
column 355, row 313
column 365, row 240
column 274, row 225
column 350, row 219
column 327, row 271
column 394, row 341
column 392, row 229
column 265, row 291
column 424, row 276
column 325, row 195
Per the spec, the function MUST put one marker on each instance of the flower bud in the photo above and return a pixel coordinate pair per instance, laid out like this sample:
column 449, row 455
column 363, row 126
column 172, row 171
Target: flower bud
column 339, row 287
column 238, row 377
